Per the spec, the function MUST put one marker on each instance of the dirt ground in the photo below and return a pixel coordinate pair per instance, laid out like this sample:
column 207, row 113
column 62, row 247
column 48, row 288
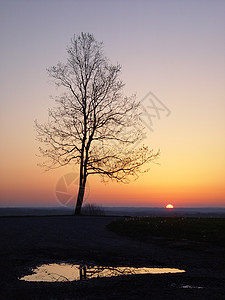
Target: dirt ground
column 30, row 241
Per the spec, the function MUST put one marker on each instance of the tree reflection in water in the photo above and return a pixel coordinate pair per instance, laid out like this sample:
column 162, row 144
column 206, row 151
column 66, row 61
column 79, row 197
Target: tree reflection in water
column 70, row 272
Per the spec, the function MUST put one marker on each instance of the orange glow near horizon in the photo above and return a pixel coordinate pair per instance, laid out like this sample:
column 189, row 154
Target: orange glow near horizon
column 33, row 188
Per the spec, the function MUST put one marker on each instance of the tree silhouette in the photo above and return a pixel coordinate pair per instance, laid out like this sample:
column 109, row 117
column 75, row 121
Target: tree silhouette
column 93, row 125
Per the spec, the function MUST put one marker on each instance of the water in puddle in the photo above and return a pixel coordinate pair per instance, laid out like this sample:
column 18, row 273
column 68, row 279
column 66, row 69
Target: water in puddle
column 191, row 287
column 70, row 272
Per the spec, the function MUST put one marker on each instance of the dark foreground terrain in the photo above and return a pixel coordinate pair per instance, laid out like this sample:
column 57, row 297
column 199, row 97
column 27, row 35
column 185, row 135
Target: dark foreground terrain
column 30, row 241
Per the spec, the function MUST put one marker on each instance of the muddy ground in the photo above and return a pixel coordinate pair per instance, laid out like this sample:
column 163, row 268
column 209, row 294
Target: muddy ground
column 30, row 241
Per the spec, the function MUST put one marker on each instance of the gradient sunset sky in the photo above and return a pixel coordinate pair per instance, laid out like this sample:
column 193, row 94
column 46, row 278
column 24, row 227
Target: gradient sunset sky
column 174, row 49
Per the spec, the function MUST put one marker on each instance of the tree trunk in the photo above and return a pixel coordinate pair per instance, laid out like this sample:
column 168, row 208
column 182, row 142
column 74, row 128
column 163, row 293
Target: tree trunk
column 80, row 198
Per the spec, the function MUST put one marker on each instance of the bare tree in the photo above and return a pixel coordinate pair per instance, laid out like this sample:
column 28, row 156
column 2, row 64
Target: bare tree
column 93, row 125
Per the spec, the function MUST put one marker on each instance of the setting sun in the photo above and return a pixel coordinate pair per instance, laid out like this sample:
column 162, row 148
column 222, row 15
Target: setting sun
column 169, row 206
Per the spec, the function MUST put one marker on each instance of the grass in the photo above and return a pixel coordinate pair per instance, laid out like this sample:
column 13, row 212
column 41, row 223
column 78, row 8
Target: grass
column 201, row 230
column 92, row 210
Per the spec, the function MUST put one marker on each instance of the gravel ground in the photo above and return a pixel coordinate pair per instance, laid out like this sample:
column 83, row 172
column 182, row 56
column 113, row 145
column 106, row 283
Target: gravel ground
column 30, row 241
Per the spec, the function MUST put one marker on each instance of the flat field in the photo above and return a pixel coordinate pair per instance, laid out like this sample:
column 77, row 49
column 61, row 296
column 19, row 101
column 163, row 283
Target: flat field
column 27, row 242
column 199, row 231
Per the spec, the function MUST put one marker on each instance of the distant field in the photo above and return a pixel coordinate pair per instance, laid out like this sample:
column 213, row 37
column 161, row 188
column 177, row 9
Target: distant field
column 207, row 212
column 201, row 230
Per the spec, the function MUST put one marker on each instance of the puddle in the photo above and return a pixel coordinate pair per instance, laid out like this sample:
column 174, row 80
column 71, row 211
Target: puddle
column 70, row 272
column 191, row 287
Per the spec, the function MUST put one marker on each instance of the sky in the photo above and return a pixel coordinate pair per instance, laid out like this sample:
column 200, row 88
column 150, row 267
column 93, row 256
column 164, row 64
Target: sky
column 172, row 52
